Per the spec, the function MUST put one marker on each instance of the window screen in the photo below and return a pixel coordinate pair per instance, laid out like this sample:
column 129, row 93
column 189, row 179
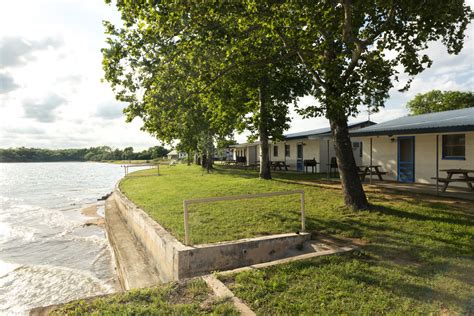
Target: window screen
column 454, row 146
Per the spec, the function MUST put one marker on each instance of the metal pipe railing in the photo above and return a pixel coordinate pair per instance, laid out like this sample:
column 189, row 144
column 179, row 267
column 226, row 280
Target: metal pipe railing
column 186, row 203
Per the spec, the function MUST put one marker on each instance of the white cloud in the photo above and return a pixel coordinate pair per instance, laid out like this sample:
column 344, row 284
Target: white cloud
column 110, row 111
column 17, row 51
column 55, row 47
column 43, row 110
column 7, row 83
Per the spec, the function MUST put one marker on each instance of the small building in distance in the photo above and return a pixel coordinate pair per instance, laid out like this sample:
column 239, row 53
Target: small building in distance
column 175, row 155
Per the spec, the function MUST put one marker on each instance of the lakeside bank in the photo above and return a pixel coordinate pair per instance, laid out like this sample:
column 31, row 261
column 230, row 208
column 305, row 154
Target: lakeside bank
column 51, row 251
column 411, row 245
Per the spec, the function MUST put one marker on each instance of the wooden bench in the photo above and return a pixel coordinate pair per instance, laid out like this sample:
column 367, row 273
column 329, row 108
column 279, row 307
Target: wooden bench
column 447, row 181
column 281, row 165
column 364, row 171
column 453, row 179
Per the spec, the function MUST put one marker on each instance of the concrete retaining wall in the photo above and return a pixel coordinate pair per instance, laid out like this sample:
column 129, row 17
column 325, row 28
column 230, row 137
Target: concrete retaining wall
column 175, row 261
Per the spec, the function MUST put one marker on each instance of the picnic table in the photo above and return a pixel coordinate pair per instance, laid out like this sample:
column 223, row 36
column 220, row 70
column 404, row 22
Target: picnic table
column 230, row 162
column 235, row 163
column 366, row 170
column 280, row 165
column 464, row 177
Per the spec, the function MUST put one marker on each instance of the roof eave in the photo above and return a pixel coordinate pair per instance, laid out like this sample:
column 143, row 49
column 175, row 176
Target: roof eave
column 448, row 129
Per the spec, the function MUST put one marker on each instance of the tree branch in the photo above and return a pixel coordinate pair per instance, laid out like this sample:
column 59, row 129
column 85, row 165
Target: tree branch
column 314, row 73
column 360, row 45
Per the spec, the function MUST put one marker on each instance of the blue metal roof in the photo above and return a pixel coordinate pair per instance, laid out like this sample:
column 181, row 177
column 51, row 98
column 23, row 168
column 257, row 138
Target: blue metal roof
column 325, row 131
column 305, row 134
column 448, row 121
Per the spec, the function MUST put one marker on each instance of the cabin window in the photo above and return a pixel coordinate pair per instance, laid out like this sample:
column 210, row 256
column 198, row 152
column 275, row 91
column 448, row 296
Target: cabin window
column 287, row 150
column 454, row 146
column 275, row 151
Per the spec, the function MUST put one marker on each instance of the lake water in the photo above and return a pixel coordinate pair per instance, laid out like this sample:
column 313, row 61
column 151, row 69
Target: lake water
column 47, row 254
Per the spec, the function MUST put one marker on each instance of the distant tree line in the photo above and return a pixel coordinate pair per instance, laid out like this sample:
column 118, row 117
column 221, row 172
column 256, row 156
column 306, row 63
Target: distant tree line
column 23, row 154
column 437, row 101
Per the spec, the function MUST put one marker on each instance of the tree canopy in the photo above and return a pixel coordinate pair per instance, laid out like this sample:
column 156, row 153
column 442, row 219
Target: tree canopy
column 354, row 51
column 194, row 71
column 216, row 67
column 438, row 101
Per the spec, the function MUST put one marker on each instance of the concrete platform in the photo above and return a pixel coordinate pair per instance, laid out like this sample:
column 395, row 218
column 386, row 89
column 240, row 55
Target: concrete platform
column 458, row 193
column 426, row 189
column 133, row 268
column 317, row 247
column 175, row 261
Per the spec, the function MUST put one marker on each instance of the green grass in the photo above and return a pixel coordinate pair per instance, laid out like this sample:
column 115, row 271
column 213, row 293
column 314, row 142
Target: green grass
column 419, row 256
column 162, row 198
column 191, row 298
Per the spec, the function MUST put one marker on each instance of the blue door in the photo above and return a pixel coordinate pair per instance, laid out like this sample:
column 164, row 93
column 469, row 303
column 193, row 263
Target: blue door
column 406, row 159
column 299, row 157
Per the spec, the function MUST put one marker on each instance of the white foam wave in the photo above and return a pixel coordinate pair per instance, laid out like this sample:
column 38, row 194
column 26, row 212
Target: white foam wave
column 98, row 240
column 31, row 286
column 7, row 232
column 7, row 267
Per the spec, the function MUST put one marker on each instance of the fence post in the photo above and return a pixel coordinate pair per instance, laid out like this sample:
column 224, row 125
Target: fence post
column 303, row 228
column 186, row 224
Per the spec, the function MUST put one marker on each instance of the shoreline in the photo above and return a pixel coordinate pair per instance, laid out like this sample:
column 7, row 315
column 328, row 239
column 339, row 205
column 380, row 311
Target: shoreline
column 92, row 212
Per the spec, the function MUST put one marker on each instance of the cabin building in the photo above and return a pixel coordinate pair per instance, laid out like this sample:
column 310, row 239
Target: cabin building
column 420, row 148
column 295, row 148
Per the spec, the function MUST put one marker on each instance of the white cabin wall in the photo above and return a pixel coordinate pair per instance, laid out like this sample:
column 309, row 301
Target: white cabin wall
column 281, row 152
column 425, row 158
column 324, row 163
column 385, row 153
column 252, row 155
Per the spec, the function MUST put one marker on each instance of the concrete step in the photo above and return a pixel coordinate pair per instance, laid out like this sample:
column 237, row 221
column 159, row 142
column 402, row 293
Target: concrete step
column 133, row 268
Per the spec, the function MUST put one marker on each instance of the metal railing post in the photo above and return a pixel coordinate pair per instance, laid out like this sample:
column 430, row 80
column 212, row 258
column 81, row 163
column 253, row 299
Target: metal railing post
column 186, row 224
column 303, row 224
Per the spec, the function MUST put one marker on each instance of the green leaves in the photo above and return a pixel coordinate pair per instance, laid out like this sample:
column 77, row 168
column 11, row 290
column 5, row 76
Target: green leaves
column 437, row 101
column 185, row 67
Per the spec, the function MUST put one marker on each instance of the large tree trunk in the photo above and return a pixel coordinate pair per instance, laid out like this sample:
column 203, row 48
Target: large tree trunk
column 263, row 132
column 209, row 160
column 189, row 158
column 354, row 195
column 209, row 152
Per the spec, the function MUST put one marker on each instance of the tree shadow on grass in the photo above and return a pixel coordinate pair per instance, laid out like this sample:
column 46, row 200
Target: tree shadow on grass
column 236, row 173
column 417, row 216
column 464, row 209
column 345, row 228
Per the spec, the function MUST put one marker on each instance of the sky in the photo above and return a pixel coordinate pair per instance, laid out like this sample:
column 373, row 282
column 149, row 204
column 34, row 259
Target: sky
column 52, row 95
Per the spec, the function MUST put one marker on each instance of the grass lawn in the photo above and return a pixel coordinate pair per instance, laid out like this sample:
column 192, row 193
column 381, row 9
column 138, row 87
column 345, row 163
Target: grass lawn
column 162, row 198
column 190, row 298
column 419, row 256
